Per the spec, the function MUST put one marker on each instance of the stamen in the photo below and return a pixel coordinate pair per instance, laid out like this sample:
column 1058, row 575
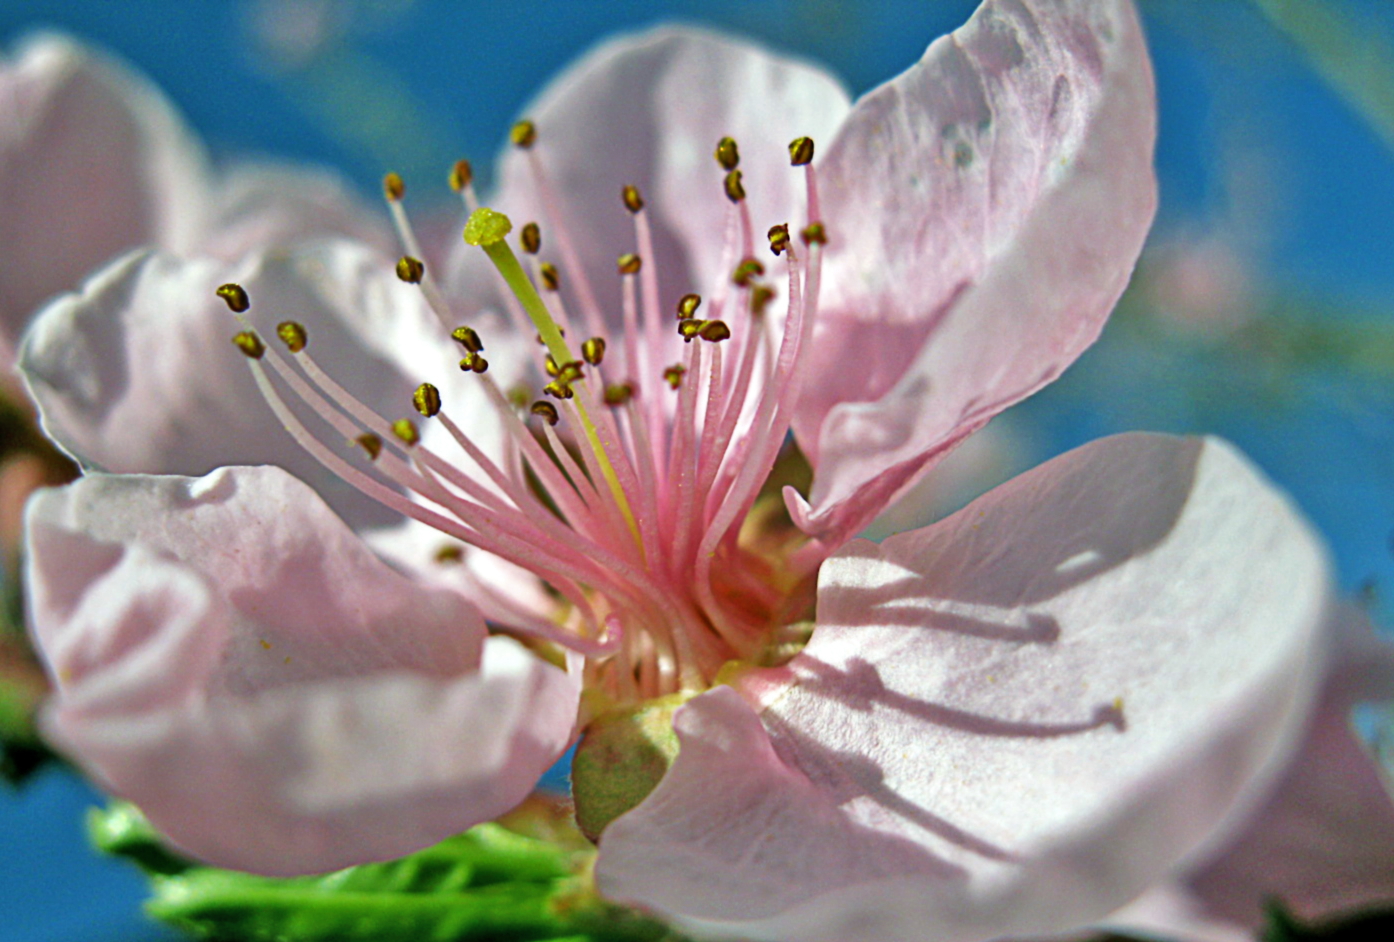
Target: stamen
column 801, row 151
column 779, row 238
column 688, row 305
column 735, row 190
column 426, row 399
column 715, row 331
column 550, row 279
column 629, row 264
column 450, row 553
column 236, row 298
column 618, row 394
column 593, row 350
column 672, row 375
column 546, row 410
column 814, row 234
column 249, row 343
column 531, row 238
column 632, row 200
column 523, row 134
column 370, row 443
column 411, row 270
column 461, row 175
column 393, row 188
column 689, row 328
column 293, row 335
column 405, row 429
column 473, row 362
column 727, row 154
column 745, row 271
column 467, row 338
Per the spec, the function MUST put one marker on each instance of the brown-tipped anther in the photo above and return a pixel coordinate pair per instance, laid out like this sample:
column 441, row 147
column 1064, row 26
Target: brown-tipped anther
column 747, row 270
column 629, row 264
column 236, row 298
column 249, row 343
column 735, row 190
column 461, row 175
column 474, row 363
column 727, row 154
column 617, row 394
column 450, row 553
column 688, row 328
column 523, row 134
column 550, row 279
column 548, row 411
column 572, row 371
column 405, row 429
column 531, row 238
column 673, row 375
column 779, row 238
column 688, row 305
column 760, row 297
column 369, row 443
column 411, row 270
column 715, row 331
column 467, row 338
column 814, row 233
column 801, row 151
column 393, row 188
column 293, row 335
column 632, row 200
column 593, row 350
column 558, row 389
column 426, row 399
column 550, row 365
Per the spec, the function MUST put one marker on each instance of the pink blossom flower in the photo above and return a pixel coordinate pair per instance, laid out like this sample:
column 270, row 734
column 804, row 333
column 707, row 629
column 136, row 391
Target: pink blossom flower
column 94, row 160
column 1010, row 722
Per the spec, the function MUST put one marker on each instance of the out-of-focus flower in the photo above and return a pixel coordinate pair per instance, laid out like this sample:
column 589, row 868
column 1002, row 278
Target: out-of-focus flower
column 1010, row 722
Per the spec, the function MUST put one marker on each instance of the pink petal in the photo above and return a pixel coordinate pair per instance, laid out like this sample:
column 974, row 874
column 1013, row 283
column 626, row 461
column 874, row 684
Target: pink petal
column 136, row 372
column 985, row 210
column 648, row 110
column 93, row 160
column 229, row 656
column 1006, row 724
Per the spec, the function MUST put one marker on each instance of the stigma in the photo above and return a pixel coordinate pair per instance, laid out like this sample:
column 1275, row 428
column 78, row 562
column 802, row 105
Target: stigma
column 636, row 455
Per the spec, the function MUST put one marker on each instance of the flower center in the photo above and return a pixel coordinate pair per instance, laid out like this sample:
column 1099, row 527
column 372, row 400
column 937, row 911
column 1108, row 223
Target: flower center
column 636, row 485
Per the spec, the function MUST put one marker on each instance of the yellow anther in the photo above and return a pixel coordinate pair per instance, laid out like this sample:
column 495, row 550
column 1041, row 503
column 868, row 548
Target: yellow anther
column 293, row 335
column 393, row 188
column 473, row 362
column 779, row 238
column 735, row 190
column 550, row 279
column 236, row 298
column 629, row 264
column 688, row 328
column 632, row 200
column 558, row 389
column 673, row 375
column 523, row 134
column 426, row 399
column 546, row 410
column 760, row 297
column 371, row 444
column 405, row 429
column 249, row 343
column 745, row 271
column 550, row 365
column 593, row 350
column 461, row 175
column 411, row 270
column 450, row 553
column 814, row 232
column 571, row 372
column 715, row 331
column 727, row 153
column 531, row 238
column 801, row 151
column 467, row 338
column 688, row 305
column 486, row 227
column 617, row 394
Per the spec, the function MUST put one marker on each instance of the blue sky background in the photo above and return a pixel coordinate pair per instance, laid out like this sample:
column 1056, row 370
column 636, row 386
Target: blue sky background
column 1255, row 150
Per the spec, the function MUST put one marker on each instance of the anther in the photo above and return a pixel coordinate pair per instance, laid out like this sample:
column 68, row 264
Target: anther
column 814, row 232
column 393, row 188
column 689, row 328
column 629, row 264
column 801, row 151
column 426, row 399
column 715, row 331
column 688, row 305
column 745, row 271
column 617, row 394
column 593, row 350
column 371, row 444
column 405, row 429
column 779, row 238
column 411, row 270
column 727, row 154
column 760, row 297
column 550, row 279
column 235, row 297
column 632, row 200
column 531, row 238
column 473, row 362
column 293, row 335
column 249, row 343
column 550, row 365
column 450, row 553
column 467, row 338
column 523, row 134
column 571, row 372
column 673, row 375
column 735, row 190
column 558, row 389
column 461, row 175
column 546, row 410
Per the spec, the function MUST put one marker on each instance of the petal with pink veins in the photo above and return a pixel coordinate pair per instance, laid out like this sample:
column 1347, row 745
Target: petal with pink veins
column 230, row 657
column 984, row 211
column 1008, row 723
